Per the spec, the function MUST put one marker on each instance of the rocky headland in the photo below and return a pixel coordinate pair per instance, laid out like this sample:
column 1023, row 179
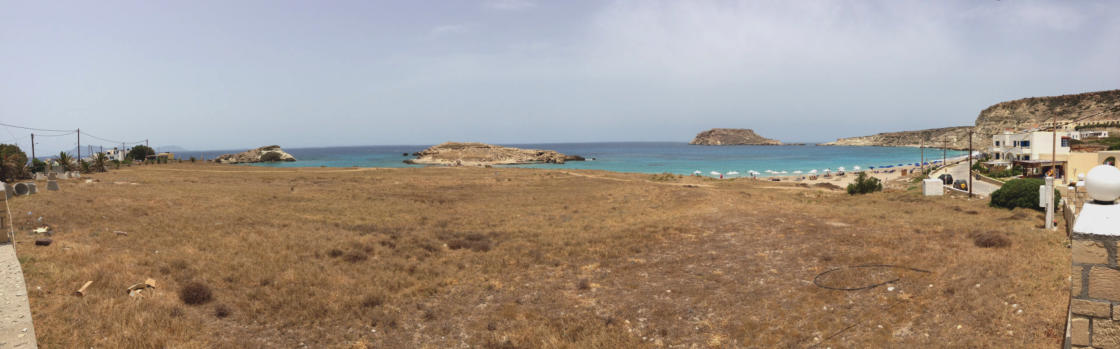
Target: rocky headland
column 1018, row 115
column 271, row 153
column 481, row 154
column 731, row 136
column 947, row 137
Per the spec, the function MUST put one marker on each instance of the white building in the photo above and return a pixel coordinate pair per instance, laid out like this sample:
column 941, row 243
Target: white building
column 1079, row 135
column 1010, row 147
column 116, row 154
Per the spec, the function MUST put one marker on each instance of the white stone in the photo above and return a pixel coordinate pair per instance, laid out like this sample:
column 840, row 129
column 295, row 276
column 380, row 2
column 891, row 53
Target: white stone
column 932, row 187
column 1098, row 219
column 1103, row 183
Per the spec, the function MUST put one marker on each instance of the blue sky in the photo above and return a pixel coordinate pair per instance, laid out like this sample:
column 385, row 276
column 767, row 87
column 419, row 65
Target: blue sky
column 240, row 74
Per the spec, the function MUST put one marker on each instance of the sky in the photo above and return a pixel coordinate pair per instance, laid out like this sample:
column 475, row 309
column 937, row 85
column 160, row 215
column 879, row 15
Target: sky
column 240, row 74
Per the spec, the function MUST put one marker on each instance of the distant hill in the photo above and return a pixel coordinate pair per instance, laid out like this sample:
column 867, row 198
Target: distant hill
column 1016, row 115
column 731, row 136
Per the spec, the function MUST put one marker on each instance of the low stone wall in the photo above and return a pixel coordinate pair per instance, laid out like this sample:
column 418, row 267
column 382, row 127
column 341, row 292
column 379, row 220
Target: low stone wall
column 1095, row 292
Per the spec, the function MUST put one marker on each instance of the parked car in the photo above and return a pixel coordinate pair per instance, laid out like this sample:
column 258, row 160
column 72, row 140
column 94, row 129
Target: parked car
column 946, row 179
column 961, row 184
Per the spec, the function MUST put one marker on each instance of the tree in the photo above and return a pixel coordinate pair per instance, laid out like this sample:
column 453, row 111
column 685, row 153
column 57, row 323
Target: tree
column 140, row 152
column 66, row 161
column 13, row 162
column 99, row 162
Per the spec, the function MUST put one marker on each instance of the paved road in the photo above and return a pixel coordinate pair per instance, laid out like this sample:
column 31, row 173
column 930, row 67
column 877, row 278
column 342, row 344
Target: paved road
column 960, row 171
column 16, row 330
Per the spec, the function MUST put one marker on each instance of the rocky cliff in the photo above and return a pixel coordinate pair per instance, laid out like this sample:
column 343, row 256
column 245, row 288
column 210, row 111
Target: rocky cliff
column 1034, row 112
column 1016, row 115
column 731, row 136
column 480, row 154
column 947, row 137
column 270, row 153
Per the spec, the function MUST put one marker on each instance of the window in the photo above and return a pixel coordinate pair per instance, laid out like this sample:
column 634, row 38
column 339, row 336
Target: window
column 1065, row 142
column 997, row 143
column 1025, row 144
column 1026, row 157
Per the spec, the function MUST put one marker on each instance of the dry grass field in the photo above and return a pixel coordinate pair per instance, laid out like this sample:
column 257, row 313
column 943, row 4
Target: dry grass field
column 527, row 258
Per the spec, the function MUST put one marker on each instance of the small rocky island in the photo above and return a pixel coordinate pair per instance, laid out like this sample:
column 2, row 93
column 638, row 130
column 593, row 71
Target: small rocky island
column 481, row 154
column 732, row 136
column 271, row 153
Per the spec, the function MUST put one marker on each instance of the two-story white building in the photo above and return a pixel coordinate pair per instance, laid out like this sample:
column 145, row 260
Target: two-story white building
column 1028, row 146
column 116, row 154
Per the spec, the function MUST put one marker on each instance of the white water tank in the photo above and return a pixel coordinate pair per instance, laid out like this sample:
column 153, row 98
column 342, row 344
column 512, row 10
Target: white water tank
column 932, row 187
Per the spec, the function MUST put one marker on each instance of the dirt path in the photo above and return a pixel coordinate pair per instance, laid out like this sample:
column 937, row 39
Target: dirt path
column 16, row 330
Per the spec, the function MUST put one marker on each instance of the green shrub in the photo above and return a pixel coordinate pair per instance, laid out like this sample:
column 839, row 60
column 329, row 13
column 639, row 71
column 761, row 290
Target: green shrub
column 664, row 177
column 864, row 184
column 38, row 165
column 1022, row 192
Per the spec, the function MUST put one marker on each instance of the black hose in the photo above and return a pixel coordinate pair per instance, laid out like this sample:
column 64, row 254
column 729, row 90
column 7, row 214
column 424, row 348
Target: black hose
column 816, row 280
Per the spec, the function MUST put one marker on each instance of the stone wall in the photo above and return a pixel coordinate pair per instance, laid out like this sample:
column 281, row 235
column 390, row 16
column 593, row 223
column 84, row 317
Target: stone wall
column 1095, row 292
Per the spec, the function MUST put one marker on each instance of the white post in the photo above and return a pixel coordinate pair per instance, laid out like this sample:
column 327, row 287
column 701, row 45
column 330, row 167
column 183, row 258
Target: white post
column 1050, row 203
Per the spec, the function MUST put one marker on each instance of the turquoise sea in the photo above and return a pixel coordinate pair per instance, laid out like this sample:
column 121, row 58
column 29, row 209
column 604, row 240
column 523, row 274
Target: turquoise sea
column 642, row 157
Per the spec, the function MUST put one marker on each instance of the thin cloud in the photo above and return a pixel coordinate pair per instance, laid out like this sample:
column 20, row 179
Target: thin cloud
column 449, row 29
column 509, row 5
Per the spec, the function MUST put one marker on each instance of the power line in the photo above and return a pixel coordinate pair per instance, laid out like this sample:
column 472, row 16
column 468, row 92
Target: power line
column 34, row 129
column 110, row 140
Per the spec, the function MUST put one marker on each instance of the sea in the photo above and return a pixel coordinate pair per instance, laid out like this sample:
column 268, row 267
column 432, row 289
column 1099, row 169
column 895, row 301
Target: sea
column 640, row 157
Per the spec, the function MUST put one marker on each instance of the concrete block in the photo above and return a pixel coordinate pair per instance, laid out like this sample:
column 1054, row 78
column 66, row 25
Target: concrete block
column 75, row 174
column 52, row 176
column 1104, row 283
column 932, row 187
column 1075, row 286
column 52, row 185
column 34, row 187
column 1091, row 308
column 1106, row 333
column 1089, row 252
column 39, row 176
column 21, row 189
column 1079, row 331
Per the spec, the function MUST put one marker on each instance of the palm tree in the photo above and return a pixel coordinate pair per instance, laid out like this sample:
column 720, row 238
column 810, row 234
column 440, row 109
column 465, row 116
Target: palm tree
column 66, row 161
column 99, row 162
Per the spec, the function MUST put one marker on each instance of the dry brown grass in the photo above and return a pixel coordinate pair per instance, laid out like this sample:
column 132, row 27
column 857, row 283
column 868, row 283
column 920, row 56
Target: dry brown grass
column 519, row 258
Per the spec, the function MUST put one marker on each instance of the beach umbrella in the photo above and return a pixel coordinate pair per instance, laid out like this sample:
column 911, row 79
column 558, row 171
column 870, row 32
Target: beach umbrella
column 813, row 171
column 714, row 173
column 733, row 173
column 870, row 167
column 856, row 168
column 827, row 170
column 784, row 172
column 697, row 172
column 841, row 168
column 797, row 172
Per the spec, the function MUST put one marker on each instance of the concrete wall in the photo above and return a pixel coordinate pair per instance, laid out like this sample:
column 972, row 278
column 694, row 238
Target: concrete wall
column 1095, row 292
column 1080, row 163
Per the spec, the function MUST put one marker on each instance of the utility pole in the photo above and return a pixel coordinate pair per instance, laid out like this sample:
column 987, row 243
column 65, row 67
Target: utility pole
column 922, row 146
column 33, row 146
column 1054, row 149
column 79, row 144
column 970, row 163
